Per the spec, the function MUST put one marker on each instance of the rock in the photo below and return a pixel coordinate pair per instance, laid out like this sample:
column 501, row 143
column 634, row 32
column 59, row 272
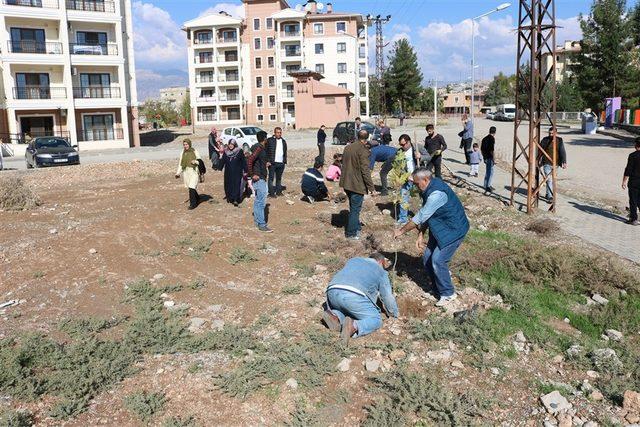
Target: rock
column 574, row 351
column 292, row 383
column 596, row 395
column 92, row 251
column 557, row 359
column 548, row 424
column 605, row 359
column 592, row 374
column 216, row 308
column 614, row 335
column 372, row 365
column 217, row 324
column 457, row 364
column 623, row 293
column 53, row 231
column 397, row 355
column 600, row 299
column 566, row 320
column 395, row 330
column 320, row 268
column 590, row 424
column 169, row 304
column 344, row 365
column 164, row 295
column 520, row 337
column 604, row 337
column 634, row 419
column 631, row 401
column 564, row 420
column 495, row 371
column 436, row 356
column 196, row 324
column 158, row 276
column 386, row 212
column 482, row 227
column 554, row 402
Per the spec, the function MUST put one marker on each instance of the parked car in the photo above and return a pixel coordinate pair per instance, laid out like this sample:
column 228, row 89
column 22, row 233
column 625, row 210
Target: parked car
column 505, row 113
column 491, row 115
column 345, row 132
column 241, row 134
column 51, row 151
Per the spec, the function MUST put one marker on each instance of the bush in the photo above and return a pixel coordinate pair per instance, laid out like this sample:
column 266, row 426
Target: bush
column 15, row 195
column 145, row 405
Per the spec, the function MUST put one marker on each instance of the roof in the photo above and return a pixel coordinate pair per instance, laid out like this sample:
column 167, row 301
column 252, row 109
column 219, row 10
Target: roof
column 289, row 14
column 216, row 19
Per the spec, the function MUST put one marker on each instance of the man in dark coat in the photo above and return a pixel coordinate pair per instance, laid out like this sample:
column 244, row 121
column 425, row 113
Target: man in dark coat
column 545, row 159
column 322, row 137
column 277, row 155
column 631, row 180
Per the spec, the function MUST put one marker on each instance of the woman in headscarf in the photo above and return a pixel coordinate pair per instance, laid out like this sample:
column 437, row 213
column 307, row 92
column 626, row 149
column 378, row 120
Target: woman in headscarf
column 188, row 168
column 235, row 168
column 215, row 149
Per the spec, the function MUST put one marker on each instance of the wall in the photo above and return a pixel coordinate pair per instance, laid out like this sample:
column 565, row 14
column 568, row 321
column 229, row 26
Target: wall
column 312, row 108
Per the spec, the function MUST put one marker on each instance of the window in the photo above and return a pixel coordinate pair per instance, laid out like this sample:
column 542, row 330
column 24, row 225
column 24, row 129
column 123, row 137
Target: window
column 258, row 63
column 270, row 43
column 342, row 85
column 272, row 81
column 28, row 40
column 100, row 39
column 206, row 77
column 330, row 100
column 320, row 68
column 259, row 100
column 98, row 127
column 362, row 70
column 270, row 62
column 205, row 57
column 201, row 37
column 363, row 89
column 32, row 86
column 233, row 113
column 341, row 27
column 269, row 23
column 342, row 67
column 258, row 81
column 362, row 51
column 257, row 45
column 272, row 117
column 319, row 48
column 318, row 28
column 272, row 100
column 342, row 47
column 229, row 36
column 260, row 118
column 256, row 24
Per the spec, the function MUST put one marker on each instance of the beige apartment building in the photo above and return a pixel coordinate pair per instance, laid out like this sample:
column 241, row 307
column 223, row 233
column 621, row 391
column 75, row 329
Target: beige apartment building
column 565, row 58
column 174, row 96
column 239, row 69
column 68, row 70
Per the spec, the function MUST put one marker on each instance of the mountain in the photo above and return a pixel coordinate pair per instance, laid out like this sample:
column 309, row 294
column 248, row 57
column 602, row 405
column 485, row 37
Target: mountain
column 151, row 81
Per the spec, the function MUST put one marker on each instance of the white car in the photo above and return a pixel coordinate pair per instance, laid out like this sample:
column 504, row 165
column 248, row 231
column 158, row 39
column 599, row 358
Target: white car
column 242, row 134
column 491, row 115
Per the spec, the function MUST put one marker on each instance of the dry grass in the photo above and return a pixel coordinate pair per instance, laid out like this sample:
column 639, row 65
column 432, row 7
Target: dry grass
column 543, row 226
column 16, row 195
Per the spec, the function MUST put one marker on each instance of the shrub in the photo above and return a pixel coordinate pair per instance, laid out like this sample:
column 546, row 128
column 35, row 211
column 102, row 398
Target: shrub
column 145, row 405
column 16, row 195
column 239, row 256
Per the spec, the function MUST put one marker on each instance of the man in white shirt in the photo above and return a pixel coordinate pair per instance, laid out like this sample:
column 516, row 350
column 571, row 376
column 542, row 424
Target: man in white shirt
column 277, row 155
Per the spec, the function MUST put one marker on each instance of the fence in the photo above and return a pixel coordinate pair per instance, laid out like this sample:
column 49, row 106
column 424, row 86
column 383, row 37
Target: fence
column 100, row 134
column 48, row 4
column 21, row 138
column 92, row 5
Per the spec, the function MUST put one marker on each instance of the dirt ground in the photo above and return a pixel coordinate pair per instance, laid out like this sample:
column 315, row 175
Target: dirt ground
column 101, row 227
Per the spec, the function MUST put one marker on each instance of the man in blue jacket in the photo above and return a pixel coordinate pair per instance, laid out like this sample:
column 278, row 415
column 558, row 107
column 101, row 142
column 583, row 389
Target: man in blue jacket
column 382, row 154
column 352, row 297
column 444, row 215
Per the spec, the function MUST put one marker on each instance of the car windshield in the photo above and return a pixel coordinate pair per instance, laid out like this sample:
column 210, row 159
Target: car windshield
column 368, row 127
column 509, row 110
column 251, row 130
column 51, row 143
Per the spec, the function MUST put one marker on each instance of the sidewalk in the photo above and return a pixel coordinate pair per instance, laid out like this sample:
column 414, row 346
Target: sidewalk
column 591, row 223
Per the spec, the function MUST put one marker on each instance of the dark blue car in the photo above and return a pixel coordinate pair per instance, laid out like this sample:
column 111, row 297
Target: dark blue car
column 51, row 151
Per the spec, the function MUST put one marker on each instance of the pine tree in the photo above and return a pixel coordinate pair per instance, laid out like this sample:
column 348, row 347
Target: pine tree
column 185, row 109
column 635, row 25
column 403, row 78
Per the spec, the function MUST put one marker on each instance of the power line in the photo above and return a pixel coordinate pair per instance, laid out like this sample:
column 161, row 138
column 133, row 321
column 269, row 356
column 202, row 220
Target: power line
column 380, row 21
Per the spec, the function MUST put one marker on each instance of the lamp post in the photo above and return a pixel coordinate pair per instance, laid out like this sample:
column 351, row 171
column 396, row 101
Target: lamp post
column 473, row 53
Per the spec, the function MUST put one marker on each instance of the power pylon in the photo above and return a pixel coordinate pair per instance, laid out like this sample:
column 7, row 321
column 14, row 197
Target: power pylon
column 536, row 99
column 380, row 45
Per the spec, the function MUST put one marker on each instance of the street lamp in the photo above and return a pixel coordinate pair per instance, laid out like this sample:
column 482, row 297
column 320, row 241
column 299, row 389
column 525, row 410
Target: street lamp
column 503, row 6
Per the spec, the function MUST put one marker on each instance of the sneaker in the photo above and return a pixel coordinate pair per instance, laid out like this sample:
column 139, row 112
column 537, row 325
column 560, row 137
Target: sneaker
column 272, row 196
column 331, row 320
column 310, row 199
column 279, row 194
column 353, row 237
column 443, row 301
column 347, row 330
column 265, row 229
column 631, row 222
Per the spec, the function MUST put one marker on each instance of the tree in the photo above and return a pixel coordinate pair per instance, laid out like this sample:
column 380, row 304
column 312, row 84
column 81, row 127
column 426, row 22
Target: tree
column 603, row 68
column 158, row 111
column 403, row 78
column 185, row 109
column 635, row 25
column 569, row 96
column 501, row 90
column 375, row 105
column 425, row 101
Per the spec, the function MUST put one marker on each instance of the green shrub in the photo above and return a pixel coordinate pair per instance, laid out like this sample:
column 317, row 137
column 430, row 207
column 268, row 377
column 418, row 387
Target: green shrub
column 145, row 405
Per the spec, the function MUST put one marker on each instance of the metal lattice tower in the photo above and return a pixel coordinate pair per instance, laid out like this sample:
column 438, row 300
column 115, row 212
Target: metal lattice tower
column 536, row 99
column 379, row 21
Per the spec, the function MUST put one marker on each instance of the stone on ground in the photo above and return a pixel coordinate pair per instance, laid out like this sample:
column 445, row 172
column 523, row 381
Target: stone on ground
column 631, row 402
column 196, row 324
column 554, row 402
column 344, row 365
column 436, row 356
column 372, row 365
column 600, row 299
column 217, row 324
column 614, row 335
column 397, row 355
column 292, row 383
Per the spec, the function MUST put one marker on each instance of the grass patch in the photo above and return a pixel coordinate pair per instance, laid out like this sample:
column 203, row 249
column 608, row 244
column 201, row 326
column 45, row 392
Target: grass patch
column 292, row 290
column 38, row 274
column 180, row 422
column 241, row 256
column 304, row 270
column 9, row 418
column 198, row 284
column 16, row 195
column 543, row 226
column 302, row 416
column 196, row 247
column 87, row 326
column 145, row 405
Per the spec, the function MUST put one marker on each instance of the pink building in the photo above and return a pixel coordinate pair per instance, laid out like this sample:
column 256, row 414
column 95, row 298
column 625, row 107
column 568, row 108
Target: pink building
column 240, row 68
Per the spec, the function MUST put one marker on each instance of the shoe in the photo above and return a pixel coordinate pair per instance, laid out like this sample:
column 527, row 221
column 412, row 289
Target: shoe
column 310, row 199
column 191, row 208
column 331, row 320
column 235, row 204
column 265, row 229
column 279, row 194
column 443, row 301
column 631, row 222
column 272, row 196
column 348, row 329
column 353, row 237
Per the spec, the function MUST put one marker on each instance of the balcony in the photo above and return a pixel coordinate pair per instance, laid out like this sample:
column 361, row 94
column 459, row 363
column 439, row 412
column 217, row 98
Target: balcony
column 233, row 39
column 207, row 118
column 291, row 53
column 227, row 59
column 44, row 4
column 100, row 134
column 229, row 78
column 207, row 98
column 39, row 92
column 362, row 74
column 203, row 59
column 205, row 78
column 290, row 33
column 110, row 49
column 229, row 96
column 92, row 5
column 32, row 46
column 203, row 41
column 96, row 92
column 286, row 94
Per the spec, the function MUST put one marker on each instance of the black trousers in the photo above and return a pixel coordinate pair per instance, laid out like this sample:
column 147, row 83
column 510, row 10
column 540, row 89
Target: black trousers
column 466, row 145
column 319, row 194
column 321, row 151
column 384, row 172
column 275, row 174
column 436, row 161
column 193, row 198
column 634, row 203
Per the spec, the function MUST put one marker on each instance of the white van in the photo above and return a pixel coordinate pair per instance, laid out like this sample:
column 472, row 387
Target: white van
column 505, row 112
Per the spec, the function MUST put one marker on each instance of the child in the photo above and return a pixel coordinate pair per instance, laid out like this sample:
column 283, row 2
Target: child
column 312, row 184
column 335, row 170
column 475, row 158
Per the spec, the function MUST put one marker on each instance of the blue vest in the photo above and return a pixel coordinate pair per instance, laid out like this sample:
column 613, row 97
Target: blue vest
column 449, row 223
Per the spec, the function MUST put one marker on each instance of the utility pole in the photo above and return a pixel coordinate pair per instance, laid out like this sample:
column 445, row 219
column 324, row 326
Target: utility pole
column 380, row 45
column 435, row 102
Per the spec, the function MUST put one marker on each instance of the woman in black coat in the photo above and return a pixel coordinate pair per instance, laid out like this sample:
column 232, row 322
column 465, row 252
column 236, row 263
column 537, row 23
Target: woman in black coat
column 235, row 167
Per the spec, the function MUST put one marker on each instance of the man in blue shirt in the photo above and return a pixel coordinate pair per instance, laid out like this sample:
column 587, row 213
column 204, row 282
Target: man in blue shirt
column 352, row 297
column 444, row 215
column 382, row 154
column 312, row 184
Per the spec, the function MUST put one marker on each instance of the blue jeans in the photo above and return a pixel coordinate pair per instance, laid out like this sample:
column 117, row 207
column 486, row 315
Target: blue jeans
column 436, row 262
column 355, row 205
column 546, row 171
column 260, row 202
column 405, row 196
column 360, row 308
column 488, row 177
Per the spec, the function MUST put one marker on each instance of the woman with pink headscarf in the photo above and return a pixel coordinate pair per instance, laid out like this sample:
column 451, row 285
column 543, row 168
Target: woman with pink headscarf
column 215, row 149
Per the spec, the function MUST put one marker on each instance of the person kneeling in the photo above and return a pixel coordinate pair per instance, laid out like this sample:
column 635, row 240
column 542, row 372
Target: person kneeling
column 352, row 296
column 312, row 185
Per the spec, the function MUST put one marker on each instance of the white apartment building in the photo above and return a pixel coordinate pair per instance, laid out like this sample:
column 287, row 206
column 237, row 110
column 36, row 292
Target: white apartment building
column 239, row 68
column 68, row 70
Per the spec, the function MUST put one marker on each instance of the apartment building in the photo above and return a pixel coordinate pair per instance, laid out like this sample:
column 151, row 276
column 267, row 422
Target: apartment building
column 240, row 69
column 174, row 96
column 68, row 70
column 565, row 58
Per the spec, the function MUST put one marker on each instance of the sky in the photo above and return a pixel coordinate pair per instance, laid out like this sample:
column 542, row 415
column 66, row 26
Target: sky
column 439, row 30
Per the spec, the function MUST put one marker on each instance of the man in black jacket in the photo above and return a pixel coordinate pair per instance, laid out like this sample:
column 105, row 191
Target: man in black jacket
column 487, row 148
column 277, row 155
column 545, row 159
column 631, row 180
column 434, row 145
column 322, row 137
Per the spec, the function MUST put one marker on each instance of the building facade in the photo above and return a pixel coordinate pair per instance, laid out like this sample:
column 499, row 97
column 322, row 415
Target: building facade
column 239, row 69
column 68, row 70
column 565, row 58
column 174, row 96
column 460, row 102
